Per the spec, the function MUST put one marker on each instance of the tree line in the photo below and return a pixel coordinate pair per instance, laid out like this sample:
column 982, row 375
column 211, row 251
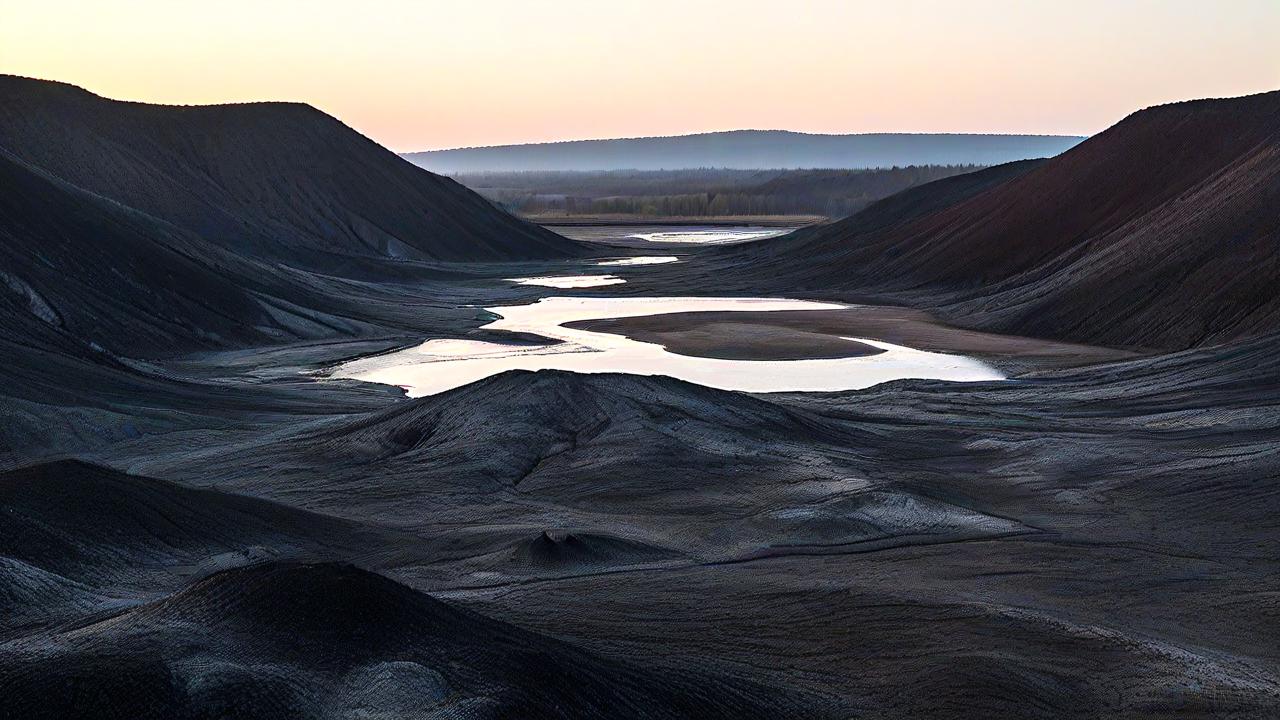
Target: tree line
column 701, row 192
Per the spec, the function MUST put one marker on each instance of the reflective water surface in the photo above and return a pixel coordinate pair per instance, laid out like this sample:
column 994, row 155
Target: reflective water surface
column 642, row 260
column 711, row 236
column 439, row 365
column 569, row 281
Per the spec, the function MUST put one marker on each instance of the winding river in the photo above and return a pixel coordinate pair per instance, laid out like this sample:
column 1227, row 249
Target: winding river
column 443, row 364
column 439, row 365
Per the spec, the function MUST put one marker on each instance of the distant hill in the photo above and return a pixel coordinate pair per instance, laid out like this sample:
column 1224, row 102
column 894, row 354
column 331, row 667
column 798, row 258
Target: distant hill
column 749, row 149
column 1160, row 232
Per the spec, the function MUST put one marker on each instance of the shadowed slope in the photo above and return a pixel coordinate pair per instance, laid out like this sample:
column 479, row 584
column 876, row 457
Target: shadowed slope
column 104, row 528
column 1159, row 232
column 284, row 640
column 81, row 274
column 77, row 264
column 270, row 179
column 636, row 469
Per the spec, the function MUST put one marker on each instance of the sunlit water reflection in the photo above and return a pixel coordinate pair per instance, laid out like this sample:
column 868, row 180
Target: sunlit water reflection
column 570, row 281
column 439, row 365
column 710, row 236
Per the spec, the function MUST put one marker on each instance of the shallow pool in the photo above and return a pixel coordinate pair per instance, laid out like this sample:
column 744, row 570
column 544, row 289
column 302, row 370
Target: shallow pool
column 439, row 365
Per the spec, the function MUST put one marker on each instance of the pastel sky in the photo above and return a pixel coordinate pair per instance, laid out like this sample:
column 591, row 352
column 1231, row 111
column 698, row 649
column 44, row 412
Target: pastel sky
column 432, row 74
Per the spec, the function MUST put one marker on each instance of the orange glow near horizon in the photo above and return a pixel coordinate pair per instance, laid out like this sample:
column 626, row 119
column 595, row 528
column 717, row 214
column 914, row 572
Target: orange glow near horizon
column 425, row 75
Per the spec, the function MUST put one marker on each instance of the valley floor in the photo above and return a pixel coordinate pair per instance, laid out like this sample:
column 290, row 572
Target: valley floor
column 1092, row 539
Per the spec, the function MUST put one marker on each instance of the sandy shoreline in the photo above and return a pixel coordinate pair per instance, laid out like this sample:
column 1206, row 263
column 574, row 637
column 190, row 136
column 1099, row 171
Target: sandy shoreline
column 792, row 335
column 729, row 336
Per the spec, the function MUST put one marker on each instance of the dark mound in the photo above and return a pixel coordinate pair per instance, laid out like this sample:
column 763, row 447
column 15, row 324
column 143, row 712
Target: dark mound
column 911, row 204
column 32, row 596
column 557, row 550
column 284, row 640
column 133, row 232
column 281, row 180
column 554, row 411
column 79, row 270
column 102, row 527
column 148, row 231
column 587, row 440
column 1159, row 232
column 81, row 274
column 1146, row 591
column 636, row 466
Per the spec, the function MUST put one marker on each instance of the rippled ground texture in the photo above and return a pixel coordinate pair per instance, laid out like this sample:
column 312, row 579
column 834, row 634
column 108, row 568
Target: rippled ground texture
column 1076, row 543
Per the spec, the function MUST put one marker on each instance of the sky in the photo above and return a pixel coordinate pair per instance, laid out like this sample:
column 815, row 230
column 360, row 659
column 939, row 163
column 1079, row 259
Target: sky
column 431, row 74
